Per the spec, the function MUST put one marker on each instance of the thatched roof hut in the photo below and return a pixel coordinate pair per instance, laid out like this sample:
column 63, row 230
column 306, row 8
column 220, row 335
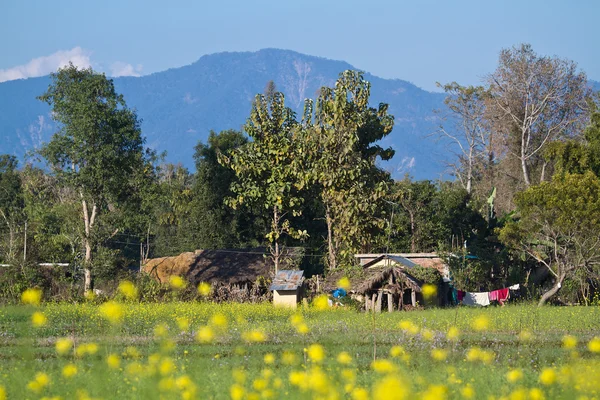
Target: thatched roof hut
column 392, row 279
column 233, row 267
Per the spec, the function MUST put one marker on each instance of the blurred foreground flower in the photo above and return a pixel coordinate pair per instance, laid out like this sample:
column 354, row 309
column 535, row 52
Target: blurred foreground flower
column 39, row 383
column 38, row 319
column 547, row 376
column 176, row 282
column 316, row 353
column 594, row 345
column 344, row 283
column 63, row 346
column 32, row 296
column 128, row 289
column 321, row 302
column 429, row 290
column 481, row 323
column 69, row 370
column 204, row 289
column 112, row 311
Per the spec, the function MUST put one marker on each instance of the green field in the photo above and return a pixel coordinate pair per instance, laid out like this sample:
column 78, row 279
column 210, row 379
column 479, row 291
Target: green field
column 205, row 350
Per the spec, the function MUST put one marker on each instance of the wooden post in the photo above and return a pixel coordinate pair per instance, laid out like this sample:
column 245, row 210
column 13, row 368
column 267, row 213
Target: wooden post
column 366, row 303
column 390, row 302
column 413, row 297
column 379, row 297
column 373, row 298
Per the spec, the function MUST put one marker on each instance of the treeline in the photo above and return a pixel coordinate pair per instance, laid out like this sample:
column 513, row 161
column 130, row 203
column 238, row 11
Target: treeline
column 524, row 206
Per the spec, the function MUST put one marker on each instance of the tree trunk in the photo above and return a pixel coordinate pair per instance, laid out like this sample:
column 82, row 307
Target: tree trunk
column 330, row 246
column 88, row 221
column 524, row 166
column 552, row 291
column 413, row 244
column 276, row 253
column 87, row 272
column 470, row 170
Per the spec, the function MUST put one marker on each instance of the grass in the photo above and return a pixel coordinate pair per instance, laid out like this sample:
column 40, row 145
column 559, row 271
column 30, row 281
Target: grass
column 257, row 351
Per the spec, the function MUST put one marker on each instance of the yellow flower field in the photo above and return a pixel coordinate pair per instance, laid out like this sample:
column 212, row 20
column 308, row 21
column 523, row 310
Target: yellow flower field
column 199, row 350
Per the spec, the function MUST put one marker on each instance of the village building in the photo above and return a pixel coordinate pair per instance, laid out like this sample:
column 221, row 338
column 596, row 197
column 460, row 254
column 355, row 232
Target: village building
column 287, row 288
column 234, row 274
column 386, row 282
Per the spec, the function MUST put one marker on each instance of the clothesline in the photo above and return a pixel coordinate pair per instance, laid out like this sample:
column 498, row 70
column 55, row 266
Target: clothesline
column 484, row 298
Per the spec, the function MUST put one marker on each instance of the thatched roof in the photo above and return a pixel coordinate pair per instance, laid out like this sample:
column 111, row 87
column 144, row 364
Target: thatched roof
column 236, row 266
column 392, row 278
column 375, row 278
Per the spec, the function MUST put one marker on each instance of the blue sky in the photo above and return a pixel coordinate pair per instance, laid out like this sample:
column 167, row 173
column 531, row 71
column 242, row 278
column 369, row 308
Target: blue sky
column 419, row 41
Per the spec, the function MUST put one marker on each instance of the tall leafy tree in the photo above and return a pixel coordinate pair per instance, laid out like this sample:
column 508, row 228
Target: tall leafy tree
column 339, row 154
column 11, row 205
column 97, row 151
column 533, row 101
column 558, row 226
column 266, row 170
column 213, row 225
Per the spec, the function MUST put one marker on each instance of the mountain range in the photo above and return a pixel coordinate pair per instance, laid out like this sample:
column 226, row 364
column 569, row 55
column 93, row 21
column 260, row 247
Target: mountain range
column 180, row 106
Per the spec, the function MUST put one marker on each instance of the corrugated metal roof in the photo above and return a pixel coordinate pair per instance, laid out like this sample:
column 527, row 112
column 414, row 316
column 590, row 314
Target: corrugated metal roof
column 405, row 262
column 287, row 280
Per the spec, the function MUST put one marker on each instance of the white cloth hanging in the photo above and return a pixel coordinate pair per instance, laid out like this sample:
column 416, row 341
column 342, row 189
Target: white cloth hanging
column 476, row 299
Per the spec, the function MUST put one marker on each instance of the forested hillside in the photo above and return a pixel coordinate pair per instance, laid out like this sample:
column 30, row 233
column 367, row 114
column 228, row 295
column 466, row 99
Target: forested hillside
column 180, row 106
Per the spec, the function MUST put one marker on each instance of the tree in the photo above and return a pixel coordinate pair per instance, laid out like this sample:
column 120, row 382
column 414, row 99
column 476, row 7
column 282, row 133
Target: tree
column 11, row 203
column 213, row 225
column 470, row 133
column 97, row 152
column 339, row 157
column 533, row 101
column 578, row 156
column 266, row 168
column 558, row 226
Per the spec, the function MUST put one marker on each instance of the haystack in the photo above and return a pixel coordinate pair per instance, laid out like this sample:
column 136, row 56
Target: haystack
column 229, row 267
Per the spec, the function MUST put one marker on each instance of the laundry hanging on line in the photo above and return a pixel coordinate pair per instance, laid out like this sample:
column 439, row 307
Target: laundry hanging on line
column 483, row 299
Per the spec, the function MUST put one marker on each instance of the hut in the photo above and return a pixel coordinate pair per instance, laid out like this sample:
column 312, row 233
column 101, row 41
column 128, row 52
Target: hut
column 287, row 288
column 385, row 280
column 239, row 270
column 389, row 287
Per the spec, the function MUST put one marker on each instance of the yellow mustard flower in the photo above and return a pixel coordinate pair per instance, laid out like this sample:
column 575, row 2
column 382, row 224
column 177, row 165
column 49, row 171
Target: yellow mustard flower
column 112, row 311
column 594, row 345
column 344, row 358
column 467, row 391
column 547, row 376
column 176, row 282
column 69, row 370
column 205, row 334
column 316, row 353
column 453, row 333
column 32, row 296
column 383, row 366
column 113, row 361
column 204, row 289
column 514, row 375
column 321, row 302
column 569, row 342
column 344, row 283
column 63, row 346
column 269, row 358
column 429, row 290
column 254, row 336
column 128, row 289
column 391, row 387
column 435, row 392
column 237, row 392
column 481, row 323
column 38, row 319
column 439, row 354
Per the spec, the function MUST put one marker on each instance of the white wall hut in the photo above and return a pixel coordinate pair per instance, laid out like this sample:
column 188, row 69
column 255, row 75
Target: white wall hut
column 287, row 288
